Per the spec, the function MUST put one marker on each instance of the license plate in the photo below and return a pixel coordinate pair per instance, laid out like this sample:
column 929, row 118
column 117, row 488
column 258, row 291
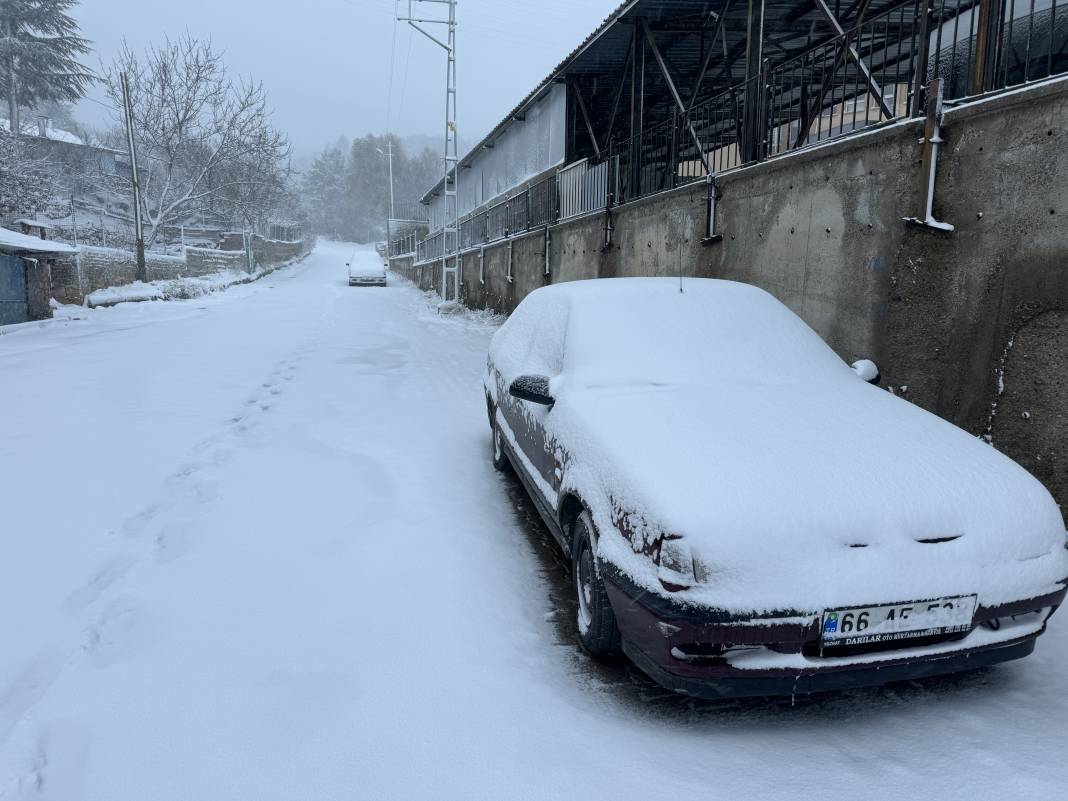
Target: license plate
column 864, row 625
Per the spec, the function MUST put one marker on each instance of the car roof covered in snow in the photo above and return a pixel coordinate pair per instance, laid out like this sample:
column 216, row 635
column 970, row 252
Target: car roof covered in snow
column 645, row 331
column 14, row 242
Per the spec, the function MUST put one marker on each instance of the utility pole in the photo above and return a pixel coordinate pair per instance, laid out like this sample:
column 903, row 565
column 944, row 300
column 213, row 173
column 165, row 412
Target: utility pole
column 389, row 219
column 139, row 230
column 450, row 218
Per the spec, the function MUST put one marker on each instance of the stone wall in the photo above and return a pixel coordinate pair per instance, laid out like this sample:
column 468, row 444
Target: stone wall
column 972, row 324
column 97, row 268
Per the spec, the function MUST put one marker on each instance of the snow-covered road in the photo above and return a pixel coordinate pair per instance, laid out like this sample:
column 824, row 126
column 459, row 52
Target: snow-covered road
column 252, row 547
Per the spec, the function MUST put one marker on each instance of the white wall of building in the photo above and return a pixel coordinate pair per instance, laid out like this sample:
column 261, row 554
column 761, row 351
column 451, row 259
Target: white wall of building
column 525, row 149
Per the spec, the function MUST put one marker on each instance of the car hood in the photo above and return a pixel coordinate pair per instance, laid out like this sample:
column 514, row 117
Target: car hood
column 808, row 496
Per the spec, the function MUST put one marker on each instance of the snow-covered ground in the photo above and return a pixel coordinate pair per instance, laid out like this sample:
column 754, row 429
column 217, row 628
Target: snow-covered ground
column 252, row 547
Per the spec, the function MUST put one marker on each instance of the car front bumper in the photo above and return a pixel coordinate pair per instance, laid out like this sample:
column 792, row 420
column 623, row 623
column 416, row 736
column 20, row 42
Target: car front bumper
column 713, row 654
column 366, row 281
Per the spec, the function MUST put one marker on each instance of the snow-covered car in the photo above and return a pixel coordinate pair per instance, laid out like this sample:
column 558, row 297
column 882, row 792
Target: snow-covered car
column 367, row 272
column 744, row 512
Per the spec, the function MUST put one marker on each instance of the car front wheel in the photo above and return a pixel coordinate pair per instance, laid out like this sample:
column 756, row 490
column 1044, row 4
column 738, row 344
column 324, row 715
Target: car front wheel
column 597, row 627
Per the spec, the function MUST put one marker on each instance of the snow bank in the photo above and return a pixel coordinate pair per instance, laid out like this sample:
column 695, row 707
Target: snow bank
column 172, row 289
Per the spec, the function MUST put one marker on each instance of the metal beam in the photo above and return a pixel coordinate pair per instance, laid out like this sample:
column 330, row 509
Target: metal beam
column 720, row 26
column 809, row 113
column 586, row 118
column 619, row 95
column 675, row 93
column 873, row 88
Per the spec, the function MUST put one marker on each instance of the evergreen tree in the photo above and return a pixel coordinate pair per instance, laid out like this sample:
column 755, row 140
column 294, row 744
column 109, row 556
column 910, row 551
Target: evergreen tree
column 24, row 181
column 39, row 50
column 346, row 190
column 325, row 195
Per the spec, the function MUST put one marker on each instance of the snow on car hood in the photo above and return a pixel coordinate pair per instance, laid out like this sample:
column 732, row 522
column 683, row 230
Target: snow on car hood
column 772, row 484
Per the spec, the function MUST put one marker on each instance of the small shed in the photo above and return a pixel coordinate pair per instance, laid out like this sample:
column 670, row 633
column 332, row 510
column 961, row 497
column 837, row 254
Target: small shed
column 25, row 276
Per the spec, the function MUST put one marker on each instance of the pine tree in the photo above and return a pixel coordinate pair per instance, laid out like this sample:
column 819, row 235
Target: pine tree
column 24, row 183
column 39, row 49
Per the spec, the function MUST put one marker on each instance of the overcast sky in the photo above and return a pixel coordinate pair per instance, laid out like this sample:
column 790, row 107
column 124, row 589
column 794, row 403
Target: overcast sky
column 326, row 63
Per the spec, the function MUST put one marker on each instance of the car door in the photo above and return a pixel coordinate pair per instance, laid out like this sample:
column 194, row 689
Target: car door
column 539, row 353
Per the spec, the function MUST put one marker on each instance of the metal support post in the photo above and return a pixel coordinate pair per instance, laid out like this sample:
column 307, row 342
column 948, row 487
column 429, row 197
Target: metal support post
column 932, row 138
column 712, row 197
column 548, row 244
column 754, row 89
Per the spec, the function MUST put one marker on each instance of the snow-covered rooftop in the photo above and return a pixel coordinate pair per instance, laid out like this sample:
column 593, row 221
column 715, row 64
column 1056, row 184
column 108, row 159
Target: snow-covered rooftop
column 14, row 242
column 33, row 128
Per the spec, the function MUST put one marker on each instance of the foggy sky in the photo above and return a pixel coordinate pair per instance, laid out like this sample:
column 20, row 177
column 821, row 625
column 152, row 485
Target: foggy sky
column 326, row 63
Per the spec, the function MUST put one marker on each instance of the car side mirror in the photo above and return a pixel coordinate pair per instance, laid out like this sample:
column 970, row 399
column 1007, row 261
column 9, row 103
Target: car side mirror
column 866, row 369
column 533, row 388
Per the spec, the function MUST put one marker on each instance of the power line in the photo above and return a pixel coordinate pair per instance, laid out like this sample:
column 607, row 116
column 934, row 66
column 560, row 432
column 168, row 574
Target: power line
column 392, row 61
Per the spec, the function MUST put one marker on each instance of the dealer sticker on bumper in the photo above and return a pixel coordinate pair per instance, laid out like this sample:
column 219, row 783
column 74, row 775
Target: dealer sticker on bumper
column 875, row 624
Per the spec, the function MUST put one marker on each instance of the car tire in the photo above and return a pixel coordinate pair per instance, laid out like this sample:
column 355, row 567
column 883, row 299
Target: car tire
column 500, row 456
column 597, row 629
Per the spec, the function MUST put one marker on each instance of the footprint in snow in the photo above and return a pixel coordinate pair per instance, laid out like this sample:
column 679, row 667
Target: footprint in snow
column 117, row 632
column 107, row 574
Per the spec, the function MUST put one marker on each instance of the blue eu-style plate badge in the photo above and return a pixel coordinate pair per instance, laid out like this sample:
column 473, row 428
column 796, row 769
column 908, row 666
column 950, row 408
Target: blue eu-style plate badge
column 830, row 623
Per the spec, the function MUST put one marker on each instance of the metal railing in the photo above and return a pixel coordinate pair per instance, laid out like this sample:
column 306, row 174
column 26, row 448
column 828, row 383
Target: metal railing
column 583, row 187
column 875, row 72
column 410, row 211
column 405, row 245
column 433, row 247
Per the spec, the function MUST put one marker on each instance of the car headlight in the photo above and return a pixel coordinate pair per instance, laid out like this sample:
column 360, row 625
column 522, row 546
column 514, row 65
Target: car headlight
column 675, row 565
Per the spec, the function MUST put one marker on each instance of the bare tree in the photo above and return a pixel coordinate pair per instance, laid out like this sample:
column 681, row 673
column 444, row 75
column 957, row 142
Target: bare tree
column 206, row 143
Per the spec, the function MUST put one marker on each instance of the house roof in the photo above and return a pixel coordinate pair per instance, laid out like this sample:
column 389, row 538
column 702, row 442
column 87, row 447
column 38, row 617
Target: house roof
column 35, row 223
column 14, row 242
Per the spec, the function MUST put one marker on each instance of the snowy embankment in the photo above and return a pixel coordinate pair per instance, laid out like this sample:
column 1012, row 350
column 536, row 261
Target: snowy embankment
column 252, row 547
column 175, row 288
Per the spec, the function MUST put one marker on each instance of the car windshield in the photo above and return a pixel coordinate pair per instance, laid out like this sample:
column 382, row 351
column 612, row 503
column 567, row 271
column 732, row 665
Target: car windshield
column 647, row 332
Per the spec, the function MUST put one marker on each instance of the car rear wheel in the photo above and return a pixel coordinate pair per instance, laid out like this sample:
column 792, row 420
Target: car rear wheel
column 500, row 457
column 597, row 627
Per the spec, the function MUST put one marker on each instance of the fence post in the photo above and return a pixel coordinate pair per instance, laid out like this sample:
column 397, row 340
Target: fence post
column 919, row 78
column 987, row 39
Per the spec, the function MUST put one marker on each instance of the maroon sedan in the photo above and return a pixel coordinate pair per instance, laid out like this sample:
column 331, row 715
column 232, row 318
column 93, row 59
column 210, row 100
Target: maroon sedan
column 744, row 512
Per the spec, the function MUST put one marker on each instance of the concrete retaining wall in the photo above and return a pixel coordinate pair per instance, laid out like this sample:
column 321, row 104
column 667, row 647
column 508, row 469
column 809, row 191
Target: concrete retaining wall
column 950, row 318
